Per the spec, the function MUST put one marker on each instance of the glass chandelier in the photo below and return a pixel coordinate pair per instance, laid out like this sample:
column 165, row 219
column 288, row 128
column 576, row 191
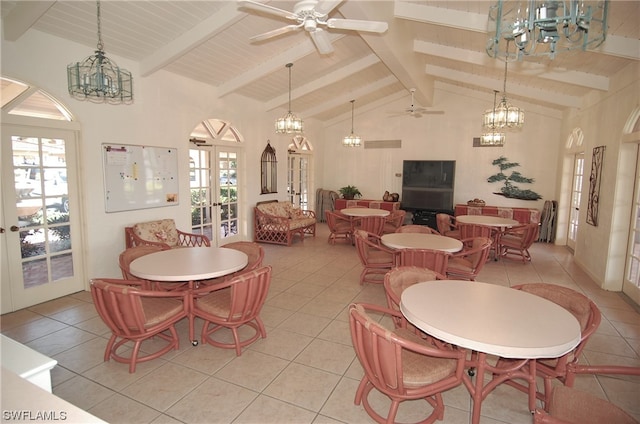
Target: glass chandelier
column 290, row 123
column 491, row 136
column 505, row 115
column 352, row 140
column 99, row 79
column 545, row 27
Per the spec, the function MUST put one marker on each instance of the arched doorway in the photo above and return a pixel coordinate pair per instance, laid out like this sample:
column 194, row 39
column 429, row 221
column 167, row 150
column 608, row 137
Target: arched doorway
column 40, row 213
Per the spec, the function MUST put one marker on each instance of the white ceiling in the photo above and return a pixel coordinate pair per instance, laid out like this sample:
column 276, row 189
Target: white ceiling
column 428, row 42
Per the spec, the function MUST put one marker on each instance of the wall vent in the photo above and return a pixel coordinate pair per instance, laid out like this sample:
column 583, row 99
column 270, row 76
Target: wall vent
column 382, row 144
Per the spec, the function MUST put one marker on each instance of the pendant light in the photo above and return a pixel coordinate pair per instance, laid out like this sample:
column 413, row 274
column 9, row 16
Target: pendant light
column 492, row 137
column 290, row 123
column 352, row 140
column 505, row 115
column 99, row 79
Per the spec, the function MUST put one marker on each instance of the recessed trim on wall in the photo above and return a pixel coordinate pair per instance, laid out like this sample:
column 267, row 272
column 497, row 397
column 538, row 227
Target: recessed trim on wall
column 382, row 144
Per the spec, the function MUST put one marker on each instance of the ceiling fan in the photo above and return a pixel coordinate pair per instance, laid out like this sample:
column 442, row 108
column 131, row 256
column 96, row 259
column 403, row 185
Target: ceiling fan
column 416, row 111
column 312, row 15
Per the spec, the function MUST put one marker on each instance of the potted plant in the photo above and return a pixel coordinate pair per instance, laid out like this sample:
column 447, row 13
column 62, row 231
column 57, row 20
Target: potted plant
column 350, row 192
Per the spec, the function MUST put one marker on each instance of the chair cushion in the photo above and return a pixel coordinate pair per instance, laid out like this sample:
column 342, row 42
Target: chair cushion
column 163, row 231
column 460, row 263
column 302, row 222
column 279, row 209
column 158, row 310
column 216, row 303
column 419, row 370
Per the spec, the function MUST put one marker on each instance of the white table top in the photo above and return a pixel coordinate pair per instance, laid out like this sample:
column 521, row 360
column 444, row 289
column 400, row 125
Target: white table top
column 491, row 319
column 491, row 221
column 421, row 241
column 364, row 212
column 188, row 264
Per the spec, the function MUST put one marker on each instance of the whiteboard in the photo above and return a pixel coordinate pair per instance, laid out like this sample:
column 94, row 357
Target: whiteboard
column 139, row 177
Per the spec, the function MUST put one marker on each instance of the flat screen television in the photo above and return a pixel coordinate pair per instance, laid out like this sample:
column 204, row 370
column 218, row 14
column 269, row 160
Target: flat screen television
column 428, row 184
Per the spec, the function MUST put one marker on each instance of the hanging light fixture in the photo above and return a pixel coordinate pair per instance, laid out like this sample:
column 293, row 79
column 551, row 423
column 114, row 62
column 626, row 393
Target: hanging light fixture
column 546, row 27
column 505, row 115
column 99, row 79
column 492, row 136
column 352, row 140
column 290, row 123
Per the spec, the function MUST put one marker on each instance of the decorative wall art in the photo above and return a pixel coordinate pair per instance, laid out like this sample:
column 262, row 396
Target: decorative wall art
column 594, row 185
column 269, row 170
column 510, row 190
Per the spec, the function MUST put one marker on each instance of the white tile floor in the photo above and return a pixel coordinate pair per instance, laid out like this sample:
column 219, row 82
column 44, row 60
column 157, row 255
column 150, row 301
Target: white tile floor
column 305, row 371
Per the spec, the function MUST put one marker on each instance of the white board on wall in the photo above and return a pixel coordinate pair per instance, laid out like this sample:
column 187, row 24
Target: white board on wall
column 139, row 177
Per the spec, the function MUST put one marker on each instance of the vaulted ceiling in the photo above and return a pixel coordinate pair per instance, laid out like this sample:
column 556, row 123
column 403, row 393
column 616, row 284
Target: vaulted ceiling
column 427, row 43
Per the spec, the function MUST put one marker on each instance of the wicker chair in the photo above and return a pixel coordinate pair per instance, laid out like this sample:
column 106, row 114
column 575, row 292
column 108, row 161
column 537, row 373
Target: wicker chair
column 447, row 225
column 401, row 365
column 339, row 226
column 162, row 233
column 375, row 257
column 413, row 228
column 468, row 263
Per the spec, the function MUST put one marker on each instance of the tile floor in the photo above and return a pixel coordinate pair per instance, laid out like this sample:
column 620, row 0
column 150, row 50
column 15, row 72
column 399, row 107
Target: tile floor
column 305, row 371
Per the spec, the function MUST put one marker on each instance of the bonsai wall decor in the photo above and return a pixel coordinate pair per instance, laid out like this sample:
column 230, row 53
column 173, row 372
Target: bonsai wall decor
column 510, row 190
column 594, row 185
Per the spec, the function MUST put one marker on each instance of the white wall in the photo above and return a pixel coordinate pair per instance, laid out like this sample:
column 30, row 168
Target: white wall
column 446, row 137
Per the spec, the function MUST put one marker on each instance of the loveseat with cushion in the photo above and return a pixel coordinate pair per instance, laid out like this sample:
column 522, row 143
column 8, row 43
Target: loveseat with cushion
column 277, row 222
column 163, row 233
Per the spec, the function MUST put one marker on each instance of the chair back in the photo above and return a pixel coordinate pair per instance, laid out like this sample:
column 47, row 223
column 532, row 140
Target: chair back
column 526, row 234
column 371, row 224
column 469, row 262
column 133, row 253
column 394, row 221
column 474, row 230
column 435, row 260
column 339, row 226
column 253, row 250
column 445, row 223
column 399, row 279
column 413, row 228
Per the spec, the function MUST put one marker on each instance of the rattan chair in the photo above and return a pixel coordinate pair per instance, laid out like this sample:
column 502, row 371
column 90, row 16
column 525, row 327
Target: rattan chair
column 375, row 257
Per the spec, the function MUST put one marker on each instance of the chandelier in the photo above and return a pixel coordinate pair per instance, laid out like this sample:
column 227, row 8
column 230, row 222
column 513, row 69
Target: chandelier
column 352, row 140
column 505, row 115
column 99, row 79
column 290, row 123
column 544, row 28
column 492, row 136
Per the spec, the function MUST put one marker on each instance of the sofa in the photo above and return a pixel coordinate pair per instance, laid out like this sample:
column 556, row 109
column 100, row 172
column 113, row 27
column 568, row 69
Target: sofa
column 163, row 233
column 277, row 222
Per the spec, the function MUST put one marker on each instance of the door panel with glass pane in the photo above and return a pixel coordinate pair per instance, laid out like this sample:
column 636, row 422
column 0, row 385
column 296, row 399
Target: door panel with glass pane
column 298, row 184
column 215, row 216
column 631, row 285
column 576, row 195
column 43, row 240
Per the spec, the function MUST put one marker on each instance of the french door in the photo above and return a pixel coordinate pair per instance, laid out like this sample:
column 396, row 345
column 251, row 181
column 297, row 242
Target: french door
column 631, row 282
column 42, row 241
column 215, row 189
column 299, row 179
column 576, row 195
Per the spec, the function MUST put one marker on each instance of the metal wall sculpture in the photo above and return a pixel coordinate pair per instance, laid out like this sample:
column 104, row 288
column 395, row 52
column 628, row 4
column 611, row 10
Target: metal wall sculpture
column 594, row 185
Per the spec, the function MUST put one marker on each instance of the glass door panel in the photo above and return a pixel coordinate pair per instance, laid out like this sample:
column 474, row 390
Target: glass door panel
column 576, row 195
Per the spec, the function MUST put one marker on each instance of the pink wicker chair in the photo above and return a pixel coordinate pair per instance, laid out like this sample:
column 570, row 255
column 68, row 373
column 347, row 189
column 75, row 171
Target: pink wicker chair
column 162, row 233
column 468, row 263
column 571, row 406
column 398, row 279
column 231, row 305
column 394, row 221
column 370, row 224
column 447, row 225
column 588, row 316
column 375, row 257
column 135, row 315
column 435, row 260
column 133, row 253
column 516, row 241
column 412, row 228
column 400, row 365
column 339, row 226
column 253, row 250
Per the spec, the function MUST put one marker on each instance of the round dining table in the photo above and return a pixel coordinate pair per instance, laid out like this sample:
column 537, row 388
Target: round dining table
column 359, row 212
column 421, row 241
column 489, row 319
column 189, row 264
column 488, row 220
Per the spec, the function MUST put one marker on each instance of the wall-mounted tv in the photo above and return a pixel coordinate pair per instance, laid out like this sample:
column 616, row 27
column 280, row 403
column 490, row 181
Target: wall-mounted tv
column 428, row 184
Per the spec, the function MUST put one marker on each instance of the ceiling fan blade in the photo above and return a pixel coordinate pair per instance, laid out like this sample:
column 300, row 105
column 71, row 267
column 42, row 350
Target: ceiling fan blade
column 274, row 33
column 324, row 7
column 250, row 4
column 322, row 41
column 357, row 25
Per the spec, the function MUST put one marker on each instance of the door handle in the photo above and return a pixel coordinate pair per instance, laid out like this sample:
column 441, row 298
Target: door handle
column 14, row 228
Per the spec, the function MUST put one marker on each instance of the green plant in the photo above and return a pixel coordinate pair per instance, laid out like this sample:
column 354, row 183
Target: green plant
column 510, row 190
column 350, row 192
